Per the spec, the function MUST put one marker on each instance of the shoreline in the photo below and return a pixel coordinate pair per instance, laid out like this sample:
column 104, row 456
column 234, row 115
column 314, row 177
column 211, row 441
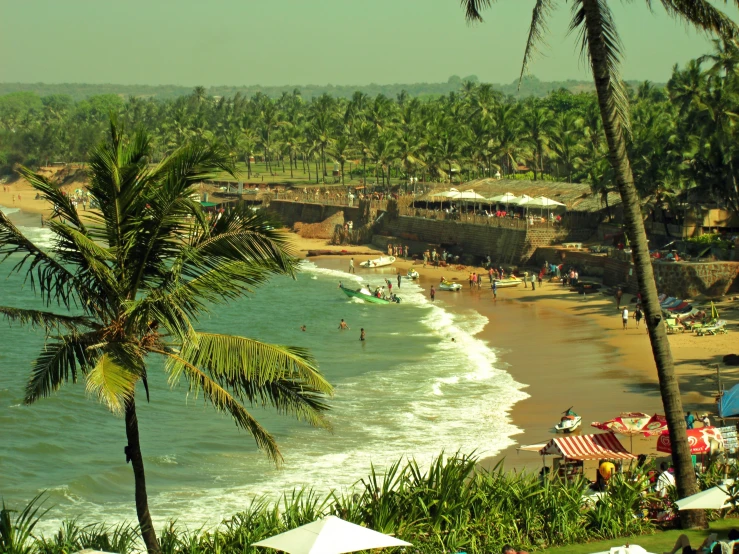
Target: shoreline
column 564, row 349
column 567, row 350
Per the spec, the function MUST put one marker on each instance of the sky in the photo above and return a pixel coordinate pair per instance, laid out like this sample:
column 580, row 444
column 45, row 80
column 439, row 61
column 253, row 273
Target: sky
column 294, row 42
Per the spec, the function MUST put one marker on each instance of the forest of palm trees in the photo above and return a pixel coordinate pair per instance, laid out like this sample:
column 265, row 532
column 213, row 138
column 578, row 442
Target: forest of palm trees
column 683, row 137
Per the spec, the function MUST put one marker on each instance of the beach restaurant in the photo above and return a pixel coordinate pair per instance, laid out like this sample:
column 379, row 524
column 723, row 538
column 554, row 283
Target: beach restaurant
column 570, row 452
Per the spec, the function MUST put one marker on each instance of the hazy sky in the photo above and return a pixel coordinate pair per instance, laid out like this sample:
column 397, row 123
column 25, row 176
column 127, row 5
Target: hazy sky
column 275, row 42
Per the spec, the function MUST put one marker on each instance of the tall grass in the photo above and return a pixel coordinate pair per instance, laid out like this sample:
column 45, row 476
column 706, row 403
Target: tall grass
column 446, row 507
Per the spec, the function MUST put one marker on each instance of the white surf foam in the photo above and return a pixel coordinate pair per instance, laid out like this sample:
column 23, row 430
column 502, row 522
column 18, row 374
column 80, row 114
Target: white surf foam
column 8, row 211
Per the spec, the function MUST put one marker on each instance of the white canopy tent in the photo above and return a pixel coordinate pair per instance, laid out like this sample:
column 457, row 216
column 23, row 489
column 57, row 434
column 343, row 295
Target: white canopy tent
column 330, row 535
column 506, row 198
column 451, row 193
column 539, row 202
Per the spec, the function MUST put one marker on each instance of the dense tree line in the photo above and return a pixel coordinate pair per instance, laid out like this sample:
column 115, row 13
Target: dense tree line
column 682, row 141
column 530, row 86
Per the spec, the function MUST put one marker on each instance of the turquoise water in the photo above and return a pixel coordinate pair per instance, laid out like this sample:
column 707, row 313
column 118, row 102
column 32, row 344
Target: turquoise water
column 407, row 391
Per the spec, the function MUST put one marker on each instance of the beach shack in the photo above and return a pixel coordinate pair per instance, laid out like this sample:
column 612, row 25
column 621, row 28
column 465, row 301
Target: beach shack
column 571, row 452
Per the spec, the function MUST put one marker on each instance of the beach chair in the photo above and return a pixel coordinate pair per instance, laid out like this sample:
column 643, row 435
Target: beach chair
column 717, row 328
column 673, row 326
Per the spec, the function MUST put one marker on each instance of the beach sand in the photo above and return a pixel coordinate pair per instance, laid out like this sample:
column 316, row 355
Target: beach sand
column 569, row 350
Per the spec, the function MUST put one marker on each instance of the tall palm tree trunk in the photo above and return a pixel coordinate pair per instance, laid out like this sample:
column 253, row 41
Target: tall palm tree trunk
column 133, row 455
column 668, row 384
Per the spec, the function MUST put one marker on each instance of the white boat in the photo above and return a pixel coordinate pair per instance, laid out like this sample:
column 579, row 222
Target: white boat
column 412, row 274
column 448, row 285
column 569, row 422
column 378, row 262
column 508, row 282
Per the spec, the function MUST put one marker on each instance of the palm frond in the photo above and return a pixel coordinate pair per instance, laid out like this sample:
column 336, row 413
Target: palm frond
column 111, row 383
column 53, row 194
column 704, row 16
column 605, row 26
column 220, row 398
column 58, row 363
column 473, row 8
column 542, row 10
column 48, row 320
column 243, row 363
column 54, row 281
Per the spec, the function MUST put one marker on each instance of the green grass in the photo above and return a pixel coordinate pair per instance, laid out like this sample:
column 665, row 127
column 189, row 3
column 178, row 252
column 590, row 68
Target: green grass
column 658, row 542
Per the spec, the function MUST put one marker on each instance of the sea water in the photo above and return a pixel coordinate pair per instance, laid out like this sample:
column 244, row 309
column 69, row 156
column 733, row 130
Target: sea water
column 407, row 391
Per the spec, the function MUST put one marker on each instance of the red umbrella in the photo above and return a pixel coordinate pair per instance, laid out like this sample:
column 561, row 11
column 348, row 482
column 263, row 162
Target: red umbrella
column 634, row 423
column 699, row 440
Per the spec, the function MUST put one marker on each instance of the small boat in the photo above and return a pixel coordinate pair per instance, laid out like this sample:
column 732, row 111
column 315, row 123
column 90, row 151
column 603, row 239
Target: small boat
column 412, row 274
column 448, row 285
column 364, row 293
column 378, row 262
column 508, row 282
column 569, row 421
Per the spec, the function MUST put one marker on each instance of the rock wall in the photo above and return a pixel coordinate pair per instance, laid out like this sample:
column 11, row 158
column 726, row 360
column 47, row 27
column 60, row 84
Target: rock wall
column 507, row 245
column 323, row 230
column 289, row 213
column 691, row 279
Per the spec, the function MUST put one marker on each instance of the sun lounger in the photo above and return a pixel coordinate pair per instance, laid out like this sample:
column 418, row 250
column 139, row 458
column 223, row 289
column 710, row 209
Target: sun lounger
column 673, row 326
column 718, row 328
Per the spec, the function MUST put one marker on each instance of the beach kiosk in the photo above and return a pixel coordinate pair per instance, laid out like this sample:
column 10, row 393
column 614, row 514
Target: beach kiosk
column 572, row 451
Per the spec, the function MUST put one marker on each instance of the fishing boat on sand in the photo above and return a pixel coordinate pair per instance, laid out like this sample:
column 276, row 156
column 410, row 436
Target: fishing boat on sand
column 448, row 285
column 363, row 293
column 569, row 421
column 378, row 262
column 412, row 274
column 508, row 282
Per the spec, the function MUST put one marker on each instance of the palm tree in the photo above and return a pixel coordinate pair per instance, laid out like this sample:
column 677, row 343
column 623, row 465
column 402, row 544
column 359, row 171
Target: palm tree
column 137, row 278
column 602, row 46
column 341, row 151
column 565, row 141
column 537, row 124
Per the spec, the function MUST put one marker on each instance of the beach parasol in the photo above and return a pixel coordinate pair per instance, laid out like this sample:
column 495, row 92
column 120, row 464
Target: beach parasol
column 634, row 423
column 330, row 535
column 701, row 441
column 715, row 498
column 714, row 312
column 451, row 193
column 626, row 549
column 506, row 199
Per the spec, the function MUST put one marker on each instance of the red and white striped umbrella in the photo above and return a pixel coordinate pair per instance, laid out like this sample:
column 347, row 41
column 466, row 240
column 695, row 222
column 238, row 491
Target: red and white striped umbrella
column 634, row 423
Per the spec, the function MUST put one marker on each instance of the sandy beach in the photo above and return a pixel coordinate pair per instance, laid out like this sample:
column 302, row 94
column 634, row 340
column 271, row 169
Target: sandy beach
column 569, row 350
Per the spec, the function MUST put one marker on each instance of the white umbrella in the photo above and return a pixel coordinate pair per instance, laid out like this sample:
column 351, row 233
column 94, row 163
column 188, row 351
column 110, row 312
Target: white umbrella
column 469, row 195
column 627, row 549
column 451, row 193
column 506, row 198
column 522, row 201
column 330, row 535
column 542, row 202
column 715, row 498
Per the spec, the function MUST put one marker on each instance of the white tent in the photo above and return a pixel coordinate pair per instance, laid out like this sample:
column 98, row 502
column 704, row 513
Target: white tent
column 330, row 535
column 715, row 498
column 521, row 201
column 469, row 195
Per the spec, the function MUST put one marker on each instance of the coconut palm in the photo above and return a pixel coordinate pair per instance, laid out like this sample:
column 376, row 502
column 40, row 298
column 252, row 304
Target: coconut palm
column 537, row 124
column 131, row 283
column 601, row 45
column 341, row 151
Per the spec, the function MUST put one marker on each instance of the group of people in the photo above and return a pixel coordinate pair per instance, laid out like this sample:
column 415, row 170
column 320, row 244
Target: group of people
column 435, row 258
column 398, row 250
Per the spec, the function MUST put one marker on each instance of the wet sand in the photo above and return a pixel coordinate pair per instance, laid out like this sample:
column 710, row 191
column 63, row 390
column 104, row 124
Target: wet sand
column 569, row 350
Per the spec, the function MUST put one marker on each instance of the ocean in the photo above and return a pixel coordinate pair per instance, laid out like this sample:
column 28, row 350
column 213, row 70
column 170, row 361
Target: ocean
column 407, row 391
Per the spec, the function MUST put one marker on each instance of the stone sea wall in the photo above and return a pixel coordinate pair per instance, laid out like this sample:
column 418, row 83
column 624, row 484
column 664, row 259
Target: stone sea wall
column 290, row 213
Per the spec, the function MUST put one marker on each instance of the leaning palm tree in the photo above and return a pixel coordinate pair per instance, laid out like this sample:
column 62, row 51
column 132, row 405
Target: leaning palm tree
column 131, row 282
column 601, row 45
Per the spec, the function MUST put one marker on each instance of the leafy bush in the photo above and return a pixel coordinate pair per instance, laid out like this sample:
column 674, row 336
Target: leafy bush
column 446, row 507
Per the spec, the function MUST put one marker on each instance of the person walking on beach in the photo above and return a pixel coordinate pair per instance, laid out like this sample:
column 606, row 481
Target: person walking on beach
column 638, row 316
column 406, row 251
column 432, row 293
column 398, row 280
column 351, row 266
column 619, row 294
column 495, row 290
column 533, row 282
column 689, row 420
column 343, row 325
column 490, row 274
column 361, row 334
column 541, row 277
column 625, row 317
column 525, row 279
